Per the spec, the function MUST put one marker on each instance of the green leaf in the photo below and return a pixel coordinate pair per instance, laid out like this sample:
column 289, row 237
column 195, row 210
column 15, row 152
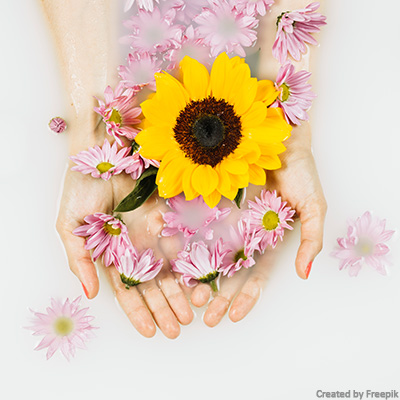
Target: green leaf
column 144, row 188
column 239, row 197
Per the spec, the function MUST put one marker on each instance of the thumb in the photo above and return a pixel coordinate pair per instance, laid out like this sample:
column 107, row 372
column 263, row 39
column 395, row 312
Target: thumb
column 312, row 231
column 79, row 260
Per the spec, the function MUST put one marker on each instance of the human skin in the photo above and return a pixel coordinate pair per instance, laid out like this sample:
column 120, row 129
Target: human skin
column 85, row 41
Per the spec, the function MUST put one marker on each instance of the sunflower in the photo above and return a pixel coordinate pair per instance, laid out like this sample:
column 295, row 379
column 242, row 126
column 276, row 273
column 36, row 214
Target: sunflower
column 213, row 133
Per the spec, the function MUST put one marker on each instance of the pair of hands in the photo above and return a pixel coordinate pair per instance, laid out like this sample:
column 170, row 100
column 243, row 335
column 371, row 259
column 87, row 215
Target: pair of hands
column 163, row 301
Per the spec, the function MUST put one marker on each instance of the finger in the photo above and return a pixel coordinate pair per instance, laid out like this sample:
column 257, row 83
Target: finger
column 175, row 297
column 201, row 295
column 221, row 302
column 312, row 231
column 161, row 311
column 79, row 260
column 132, row 304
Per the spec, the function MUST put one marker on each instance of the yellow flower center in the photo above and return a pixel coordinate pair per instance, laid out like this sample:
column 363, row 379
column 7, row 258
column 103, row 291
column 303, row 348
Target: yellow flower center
column 112, row 229
column 104, row 167
column 63, row 326
column 240, row 255
column 115, row 117
column 364, row 247
column 270, row 220
column 285, row 92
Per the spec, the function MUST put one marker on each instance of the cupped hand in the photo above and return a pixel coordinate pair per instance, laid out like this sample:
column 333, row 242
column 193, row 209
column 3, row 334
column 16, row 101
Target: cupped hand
column 297, row 182
column 159, row 301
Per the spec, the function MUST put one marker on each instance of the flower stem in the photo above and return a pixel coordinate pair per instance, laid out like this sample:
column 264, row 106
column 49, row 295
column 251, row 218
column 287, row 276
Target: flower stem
column 214, row 286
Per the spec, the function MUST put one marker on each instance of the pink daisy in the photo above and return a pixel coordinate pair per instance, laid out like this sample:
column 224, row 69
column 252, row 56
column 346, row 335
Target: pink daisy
column 139, row 164
column 224, row 28
column 294, row 30
column 148, row 5
column 102, row 162
column 200, row 264
column 268, row 217
column 254, row 7
column 119, row 112
column 365, row 243
column 140, row 71
column 65, row 327
column 191, row 217
column 105, row 234
column 189, row 45
column 153, row 31
column 241, row 244
column 135, row 268
column 295, row 96
column 57, row 125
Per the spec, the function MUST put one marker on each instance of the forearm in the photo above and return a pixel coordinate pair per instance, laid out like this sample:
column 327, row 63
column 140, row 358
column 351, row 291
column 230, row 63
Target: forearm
column 85, row 36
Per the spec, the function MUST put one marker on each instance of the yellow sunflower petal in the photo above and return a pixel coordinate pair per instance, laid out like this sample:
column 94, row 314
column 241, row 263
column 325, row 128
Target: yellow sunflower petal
column 155, row 142
column 224, row 179
column 240, row 181
column 272, row 148
column 212, row 199
column 167, row 84
column 170, row 184
column 234, row 166
column 249, row 150
column 190, row 193
column 156, row 114
column 195, row 78
column 218, row 76
column 257, row 175
column 230, row 193
column 266, row 92
column 255, row 115
column 269, row 162
column 204, row 180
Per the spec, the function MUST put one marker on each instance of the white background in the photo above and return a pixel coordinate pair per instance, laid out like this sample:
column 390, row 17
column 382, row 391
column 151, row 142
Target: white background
column 332, row 332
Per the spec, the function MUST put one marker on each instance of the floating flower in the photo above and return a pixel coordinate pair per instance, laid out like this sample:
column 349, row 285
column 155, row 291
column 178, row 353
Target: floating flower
column 295, row 96
column 119, row 112
column 140, row 71
column 153, row 31
column 139, row 164
column 268, row 217
column 241, row 244
column 135, row 268
column 191, row 217
column 365, row 243
column 209, row 132
column 254, row 7
column 224, row 28
column 189, row 45
column 187, row 10
column 105, row 234
column 200, row 264
column 294, row 30
column 57, row 125
column 65, row 327
column 148, row 5
column 102, row 162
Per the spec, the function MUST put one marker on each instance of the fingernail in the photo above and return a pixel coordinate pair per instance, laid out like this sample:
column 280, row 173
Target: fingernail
column 308, row 269
column 85, row 290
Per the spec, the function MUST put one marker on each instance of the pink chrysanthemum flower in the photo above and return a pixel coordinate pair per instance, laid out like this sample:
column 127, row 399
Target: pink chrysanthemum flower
column 189, row 45
column 148, row 5
column 102, row 162
column 105, row 234
column 57, row 125
column 200, row 264
column 119, row 112
column 135, row 268
column 365, row 243
column 65, row 327
column 295, row 96
column 268, row 216
column 254, row 7
column 186, row 10
column 241, row 244
column 139, row 164
column 140, row 71
column 191, row 217
column 294, row 30
column 224, row 28
column 153, row 31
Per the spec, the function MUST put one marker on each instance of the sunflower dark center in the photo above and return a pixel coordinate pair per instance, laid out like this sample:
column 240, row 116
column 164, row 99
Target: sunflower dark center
column 208, row 130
